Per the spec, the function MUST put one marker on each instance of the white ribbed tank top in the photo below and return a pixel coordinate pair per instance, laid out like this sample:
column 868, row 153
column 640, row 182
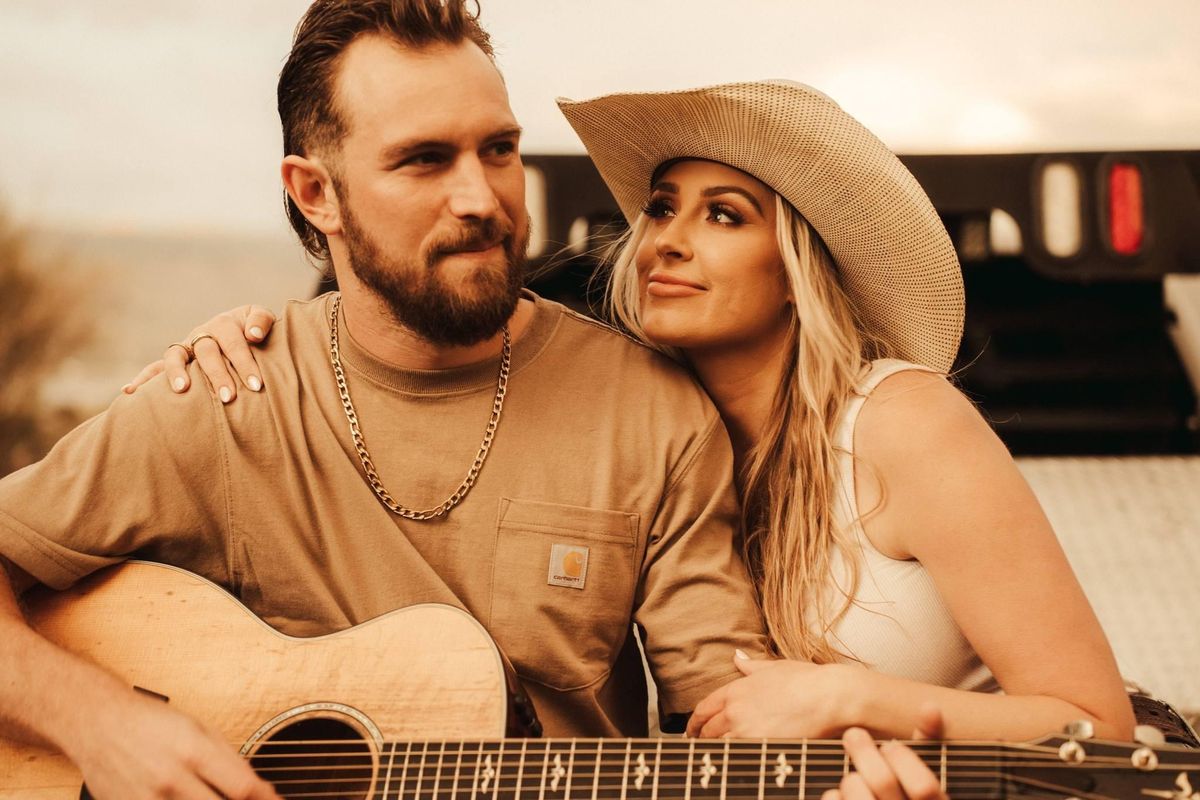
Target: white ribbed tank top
column 898, row 623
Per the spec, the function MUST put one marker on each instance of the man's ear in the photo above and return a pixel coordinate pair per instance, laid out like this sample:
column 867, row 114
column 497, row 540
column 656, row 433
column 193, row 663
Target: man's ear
column 309, row 184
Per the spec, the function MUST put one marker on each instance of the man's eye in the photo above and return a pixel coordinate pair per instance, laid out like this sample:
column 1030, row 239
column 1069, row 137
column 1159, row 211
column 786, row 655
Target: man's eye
column 504, row 148
column 423, row 159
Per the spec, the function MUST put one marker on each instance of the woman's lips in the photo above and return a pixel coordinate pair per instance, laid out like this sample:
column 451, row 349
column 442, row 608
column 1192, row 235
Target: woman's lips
column 660, row 285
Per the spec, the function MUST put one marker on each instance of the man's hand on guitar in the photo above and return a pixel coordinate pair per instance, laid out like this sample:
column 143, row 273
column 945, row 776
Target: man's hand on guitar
column 141, row 748
column 216, row 345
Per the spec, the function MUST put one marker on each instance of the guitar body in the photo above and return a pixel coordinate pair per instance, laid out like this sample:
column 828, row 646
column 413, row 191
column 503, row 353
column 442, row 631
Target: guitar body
column 427, row 671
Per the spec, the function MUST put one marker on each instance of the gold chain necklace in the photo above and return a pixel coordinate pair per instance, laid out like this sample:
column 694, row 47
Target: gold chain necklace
column 361, row 447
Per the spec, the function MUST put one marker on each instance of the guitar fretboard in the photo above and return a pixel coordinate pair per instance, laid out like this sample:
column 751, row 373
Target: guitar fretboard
column 635, row 769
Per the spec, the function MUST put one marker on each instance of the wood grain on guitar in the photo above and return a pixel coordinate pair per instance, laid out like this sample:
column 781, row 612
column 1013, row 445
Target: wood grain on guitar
column 414, row 705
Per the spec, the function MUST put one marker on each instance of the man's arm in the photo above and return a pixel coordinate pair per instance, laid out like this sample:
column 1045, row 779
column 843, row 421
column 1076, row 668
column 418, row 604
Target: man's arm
column 126, row 746
column 695, row 602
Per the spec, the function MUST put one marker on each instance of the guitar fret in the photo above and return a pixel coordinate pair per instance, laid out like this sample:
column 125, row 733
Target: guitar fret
column 625, row 769
column 404, row 772
column 657, row 770
column 762, row 770
column 499, row 771
column 439, row 766
column 462, row 747
column 942, row 770
column 687, row 783
column 570, row 769
column 520, row 770
column 391, row 768
column 545, row 769
column 725, row 770
column 387, row 772
column 596, row 769
column 484, row 772
column 803, row 768
column 420, row 772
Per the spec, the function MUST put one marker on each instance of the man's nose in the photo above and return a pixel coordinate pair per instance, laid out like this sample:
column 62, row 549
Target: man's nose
column 471, row 192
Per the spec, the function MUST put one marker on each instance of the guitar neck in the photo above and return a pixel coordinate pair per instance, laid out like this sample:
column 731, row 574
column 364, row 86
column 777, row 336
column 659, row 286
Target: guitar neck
column 649, row 769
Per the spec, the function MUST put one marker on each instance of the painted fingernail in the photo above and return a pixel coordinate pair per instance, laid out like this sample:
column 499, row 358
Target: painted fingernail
column 179, row 384
column 740, row 655
column 256, row 332
column 254, row 383
column 226, row 395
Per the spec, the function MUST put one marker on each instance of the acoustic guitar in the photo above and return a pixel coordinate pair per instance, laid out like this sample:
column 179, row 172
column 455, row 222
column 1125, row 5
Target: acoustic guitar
column 417, row 705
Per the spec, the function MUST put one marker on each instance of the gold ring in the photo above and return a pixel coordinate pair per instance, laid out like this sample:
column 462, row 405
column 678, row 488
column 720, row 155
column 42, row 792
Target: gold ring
column 187, row 350
column 202, row 335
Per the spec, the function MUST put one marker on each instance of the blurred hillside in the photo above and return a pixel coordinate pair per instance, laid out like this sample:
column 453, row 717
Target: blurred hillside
column 146, row 291
column 42, row 305
column 83, row 312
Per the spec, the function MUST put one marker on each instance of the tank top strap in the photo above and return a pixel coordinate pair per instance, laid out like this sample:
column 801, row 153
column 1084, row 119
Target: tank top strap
column 872, row 375
column 843, row 440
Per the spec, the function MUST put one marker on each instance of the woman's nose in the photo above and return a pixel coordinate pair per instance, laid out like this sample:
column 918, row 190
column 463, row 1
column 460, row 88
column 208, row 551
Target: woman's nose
column 671, row 241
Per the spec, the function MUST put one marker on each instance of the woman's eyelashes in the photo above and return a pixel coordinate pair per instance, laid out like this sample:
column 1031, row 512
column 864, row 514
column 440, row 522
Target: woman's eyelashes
column 657, row 208
column 720, row 213
column 724, row 214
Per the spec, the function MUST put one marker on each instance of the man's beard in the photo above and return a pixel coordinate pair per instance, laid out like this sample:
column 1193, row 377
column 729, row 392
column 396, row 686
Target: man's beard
column 418, row 297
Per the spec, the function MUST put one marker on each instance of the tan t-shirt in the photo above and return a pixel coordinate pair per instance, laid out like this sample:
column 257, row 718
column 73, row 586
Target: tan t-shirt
column 602, row 445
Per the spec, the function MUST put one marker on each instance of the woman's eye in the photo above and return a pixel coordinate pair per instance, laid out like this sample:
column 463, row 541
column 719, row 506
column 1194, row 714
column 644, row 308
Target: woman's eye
column 657, row 209
column 724, row 215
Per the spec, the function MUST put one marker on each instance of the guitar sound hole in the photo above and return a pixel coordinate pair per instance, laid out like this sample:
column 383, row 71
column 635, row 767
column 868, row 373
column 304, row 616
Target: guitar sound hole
column 317, row 757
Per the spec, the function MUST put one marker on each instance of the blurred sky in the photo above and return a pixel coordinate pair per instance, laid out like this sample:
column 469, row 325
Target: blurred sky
column 146, row 115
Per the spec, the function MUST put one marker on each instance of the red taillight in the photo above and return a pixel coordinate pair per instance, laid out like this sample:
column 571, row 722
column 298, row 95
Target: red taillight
column 1126, row 222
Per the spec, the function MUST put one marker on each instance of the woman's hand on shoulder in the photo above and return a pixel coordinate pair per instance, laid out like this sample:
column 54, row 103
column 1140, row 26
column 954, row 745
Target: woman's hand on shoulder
column 217, row 345
column 780, row 698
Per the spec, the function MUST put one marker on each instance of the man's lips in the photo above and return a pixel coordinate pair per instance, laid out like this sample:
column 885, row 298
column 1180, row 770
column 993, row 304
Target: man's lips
column 472, row 250
column 663, row 284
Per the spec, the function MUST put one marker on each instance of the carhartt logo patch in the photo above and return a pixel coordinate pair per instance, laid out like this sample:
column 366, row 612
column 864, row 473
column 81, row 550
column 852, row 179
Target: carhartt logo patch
column 568, row 566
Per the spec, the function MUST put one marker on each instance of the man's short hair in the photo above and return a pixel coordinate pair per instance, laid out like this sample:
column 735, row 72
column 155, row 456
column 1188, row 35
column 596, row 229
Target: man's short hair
column 310, row 117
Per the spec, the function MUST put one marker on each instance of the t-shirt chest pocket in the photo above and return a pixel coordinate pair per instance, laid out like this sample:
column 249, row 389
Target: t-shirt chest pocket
column 563, row 583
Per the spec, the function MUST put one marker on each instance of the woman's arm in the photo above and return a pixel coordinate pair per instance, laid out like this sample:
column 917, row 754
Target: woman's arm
column 216, row 345
column 934, row 483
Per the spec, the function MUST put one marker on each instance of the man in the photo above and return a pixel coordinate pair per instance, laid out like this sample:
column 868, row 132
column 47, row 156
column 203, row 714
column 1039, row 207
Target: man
column 597, row 483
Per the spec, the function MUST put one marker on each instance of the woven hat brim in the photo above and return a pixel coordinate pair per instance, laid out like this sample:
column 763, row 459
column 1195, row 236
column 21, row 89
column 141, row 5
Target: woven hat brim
column 896, row 261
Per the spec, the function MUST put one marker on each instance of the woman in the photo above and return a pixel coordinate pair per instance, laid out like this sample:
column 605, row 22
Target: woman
column 783, row 253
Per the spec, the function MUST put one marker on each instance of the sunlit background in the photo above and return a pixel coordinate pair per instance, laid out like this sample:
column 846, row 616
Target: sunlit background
column 142, row 115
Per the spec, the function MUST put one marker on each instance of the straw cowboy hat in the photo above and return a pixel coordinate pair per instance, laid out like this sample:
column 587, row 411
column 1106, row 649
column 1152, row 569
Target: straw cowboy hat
column 895, row 260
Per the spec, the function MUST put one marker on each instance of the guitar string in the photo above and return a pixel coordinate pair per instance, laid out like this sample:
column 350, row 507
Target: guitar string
column 814, row 788
column 954, row 758
column 770, row 770
column 961, row 781
column 815, row 791
column 749, row 752
column 961, row 789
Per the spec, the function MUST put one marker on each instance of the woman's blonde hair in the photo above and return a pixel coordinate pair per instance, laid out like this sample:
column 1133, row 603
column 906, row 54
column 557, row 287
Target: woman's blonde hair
column 789, row 478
